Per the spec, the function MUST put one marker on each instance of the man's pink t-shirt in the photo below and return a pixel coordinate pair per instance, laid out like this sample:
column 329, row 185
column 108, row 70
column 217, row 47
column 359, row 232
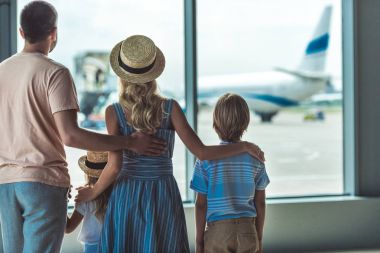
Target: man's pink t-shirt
column 33, row 88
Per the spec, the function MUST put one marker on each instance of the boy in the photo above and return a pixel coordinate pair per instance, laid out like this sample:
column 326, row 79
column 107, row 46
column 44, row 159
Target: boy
column 230, row 191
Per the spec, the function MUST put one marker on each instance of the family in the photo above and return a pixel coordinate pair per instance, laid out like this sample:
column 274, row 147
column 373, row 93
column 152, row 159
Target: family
column 131, row 202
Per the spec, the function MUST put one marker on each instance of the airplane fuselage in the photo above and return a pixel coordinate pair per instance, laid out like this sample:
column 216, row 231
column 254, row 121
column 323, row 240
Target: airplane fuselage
column 265, row 92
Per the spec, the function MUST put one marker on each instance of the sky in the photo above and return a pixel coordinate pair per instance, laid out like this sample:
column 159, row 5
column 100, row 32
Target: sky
column 238, row 36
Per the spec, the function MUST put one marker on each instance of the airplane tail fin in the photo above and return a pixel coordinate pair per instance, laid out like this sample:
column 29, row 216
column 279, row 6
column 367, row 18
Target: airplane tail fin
column 314, row 59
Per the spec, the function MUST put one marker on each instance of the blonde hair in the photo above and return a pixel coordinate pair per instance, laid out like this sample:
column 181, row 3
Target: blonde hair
column 144, row 103
column 101, row 201
column 231, row 117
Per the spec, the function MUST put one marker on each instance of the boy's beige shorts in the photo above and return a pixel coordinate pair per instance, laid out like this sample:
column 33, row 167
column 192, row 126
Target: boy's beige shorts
column 231, row 235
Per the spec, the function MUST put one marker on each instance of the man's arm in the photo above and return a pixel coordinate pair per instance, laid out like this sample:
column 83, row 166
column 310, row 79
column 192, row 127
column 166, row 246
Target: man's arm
column 74, row 136
column 260, row 209
column 200, row 221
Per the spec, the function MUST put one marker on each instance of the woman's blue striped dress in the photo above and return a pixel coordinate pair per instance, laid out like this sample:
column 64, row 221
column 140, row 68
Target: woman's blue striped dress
column 145, row 212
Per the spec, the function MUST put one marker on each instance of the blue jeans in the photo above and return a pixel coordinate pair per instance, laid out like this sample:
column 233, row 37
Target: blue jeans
column 32, row 217
column 90, row 248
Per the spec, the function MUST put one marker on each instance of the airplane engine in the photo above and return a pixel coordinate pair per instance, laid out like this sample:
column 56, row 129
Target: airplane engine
column 266, row 116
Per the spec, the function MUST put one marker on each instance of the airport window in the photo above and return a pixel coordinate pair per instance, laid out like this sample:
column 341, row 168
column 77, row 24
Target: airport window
column 87, row 31
column 284, row 58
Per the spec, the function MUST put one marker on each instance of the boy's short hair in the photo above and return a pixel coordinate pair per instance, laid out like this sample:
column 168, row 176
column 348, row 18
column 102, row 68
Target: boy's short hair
column 231, row 117
column 38, row 19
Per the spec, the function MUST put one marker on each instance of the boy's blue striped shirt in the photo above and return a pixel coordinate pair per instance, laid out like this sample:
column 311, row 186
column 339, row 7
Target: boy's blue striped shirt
column 230, row 185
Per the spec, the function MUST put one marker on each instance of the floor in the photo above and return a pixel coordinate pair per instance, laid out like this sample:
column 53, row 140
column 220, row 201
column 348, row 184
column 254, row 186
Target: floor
column 352, row 251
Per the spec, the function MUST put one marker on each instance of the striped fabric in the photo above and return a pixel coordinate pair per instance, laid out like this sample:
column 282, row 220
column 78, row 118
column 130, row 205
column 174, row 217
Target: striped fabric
column 145, row 212
column 229, row 185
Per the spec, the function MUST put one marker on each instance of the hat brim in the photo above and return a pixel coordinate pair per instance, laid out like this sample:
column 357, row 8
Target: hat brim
column 88, row 171
column 148, row 76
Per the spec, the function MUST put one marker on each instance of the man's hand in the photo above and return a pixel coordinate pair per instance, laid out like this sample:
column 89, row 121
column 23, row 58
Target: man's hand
column 145, row 144
column 69, row 193
column 255, row 151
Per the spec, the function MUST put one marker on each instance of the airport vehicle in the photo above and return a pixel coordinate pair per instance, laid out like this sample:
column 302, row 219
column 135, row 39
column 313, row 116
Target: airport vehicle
column 268, row 92
column 95, row 86
column 314, row 115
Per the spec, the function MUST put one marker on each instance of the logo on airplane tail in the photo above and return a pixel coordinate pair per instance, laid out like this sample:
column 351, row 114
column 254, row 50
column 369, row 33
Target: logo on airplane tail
column 319, row 44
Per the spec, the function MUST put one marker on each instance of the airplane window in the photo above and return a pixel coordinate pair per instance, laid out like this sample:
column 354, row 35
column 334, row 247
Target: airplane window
column 284, row 58
column 87, row 31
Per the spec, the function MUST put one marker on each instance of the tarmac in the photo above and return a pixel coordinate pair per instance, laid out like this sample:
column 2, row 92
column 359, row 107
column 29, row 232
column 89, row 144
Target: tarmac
column 302, row 157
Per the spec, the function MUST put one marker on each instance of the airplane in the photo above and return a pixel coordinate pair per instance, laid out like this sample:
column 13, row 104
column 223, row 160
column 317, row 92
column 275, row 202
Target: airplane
column 268, row 92
column 265, row 92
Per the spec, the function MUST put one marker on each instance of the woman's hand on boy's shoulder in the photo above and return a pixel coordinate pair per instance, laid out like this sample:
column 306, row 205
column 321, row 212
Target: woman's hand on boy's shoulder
column 255, row 151
column 85, row 194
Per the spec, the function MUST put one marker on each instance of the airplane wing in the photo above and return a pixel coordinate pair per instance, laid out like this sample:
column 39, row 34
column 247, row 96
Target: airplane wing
column 306, row 74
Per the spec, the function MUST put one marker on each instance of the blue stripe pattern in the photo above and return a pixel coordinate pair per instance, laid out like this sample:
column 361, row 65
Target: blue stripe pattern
column 277, row 100
column 281, row 101
column 145, row 212
column 319, row 44
column 230, row 185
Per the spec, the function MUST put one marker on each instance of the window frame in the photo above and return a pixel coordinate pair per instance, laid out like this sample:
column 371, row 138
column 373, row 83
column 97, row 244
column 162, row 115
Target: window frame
column 349, row 91
column 349, row 70
column 8, row 26
column 191, row 85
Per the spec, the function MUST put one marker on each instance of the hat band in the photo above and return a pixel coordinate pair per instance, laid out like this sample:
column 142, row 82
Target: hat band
column 135, row 70
column 95, row 166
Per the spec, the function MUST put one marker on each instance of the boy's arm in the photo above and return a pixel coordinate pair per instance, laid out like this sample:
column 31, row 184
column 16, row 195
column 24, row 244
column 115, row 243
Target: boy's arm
column 260, row 209
column 203, row 152
column 200, row 221
column 73, row 221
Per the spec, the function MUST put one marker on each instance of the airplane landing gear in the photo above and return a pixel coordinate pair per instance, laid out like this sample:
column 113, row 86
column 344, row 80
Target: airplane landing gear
column 266, row 116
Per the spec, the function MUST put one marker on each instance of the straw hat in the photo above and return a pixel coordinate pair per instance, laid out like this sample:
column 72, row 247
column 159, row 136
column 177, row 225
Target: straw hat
column 137, row 59
column 93, row 163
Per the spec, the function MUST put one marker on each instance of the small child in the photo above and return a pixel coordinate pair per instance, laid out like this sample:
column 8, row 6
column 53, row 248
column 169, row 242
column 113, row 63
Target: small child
column 92, row 212
column 230, row 191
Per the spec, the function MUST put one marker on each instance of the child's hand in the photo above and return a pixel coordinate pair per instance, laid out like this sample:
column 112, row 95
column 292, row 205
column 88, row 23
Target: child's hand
column 85, row 194
column 255, row 151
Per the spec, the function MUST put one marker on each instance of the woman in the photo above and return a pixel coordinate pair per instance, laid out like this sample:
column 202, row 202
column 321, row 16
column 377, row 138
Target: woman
column 145, row 212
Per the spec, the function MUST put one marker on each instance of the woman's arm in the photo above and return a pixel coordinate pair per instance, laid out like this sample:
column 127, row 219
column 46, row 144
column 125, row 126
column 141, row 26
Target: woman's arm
column 73, row 222
column 202, row 152
column 112, row 168
column 200, row 221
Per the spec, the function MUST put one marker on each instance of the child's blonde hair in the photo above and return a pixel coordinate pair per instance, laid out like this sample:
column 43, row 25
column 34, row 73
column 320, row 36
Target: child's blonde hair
column 101, row 201
column 144, row 103
column 231, row 117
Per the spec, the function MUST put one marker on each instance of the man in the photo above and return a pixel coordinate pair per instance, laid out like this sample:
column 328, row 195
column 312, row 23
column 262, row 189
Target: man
column 38, row 116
